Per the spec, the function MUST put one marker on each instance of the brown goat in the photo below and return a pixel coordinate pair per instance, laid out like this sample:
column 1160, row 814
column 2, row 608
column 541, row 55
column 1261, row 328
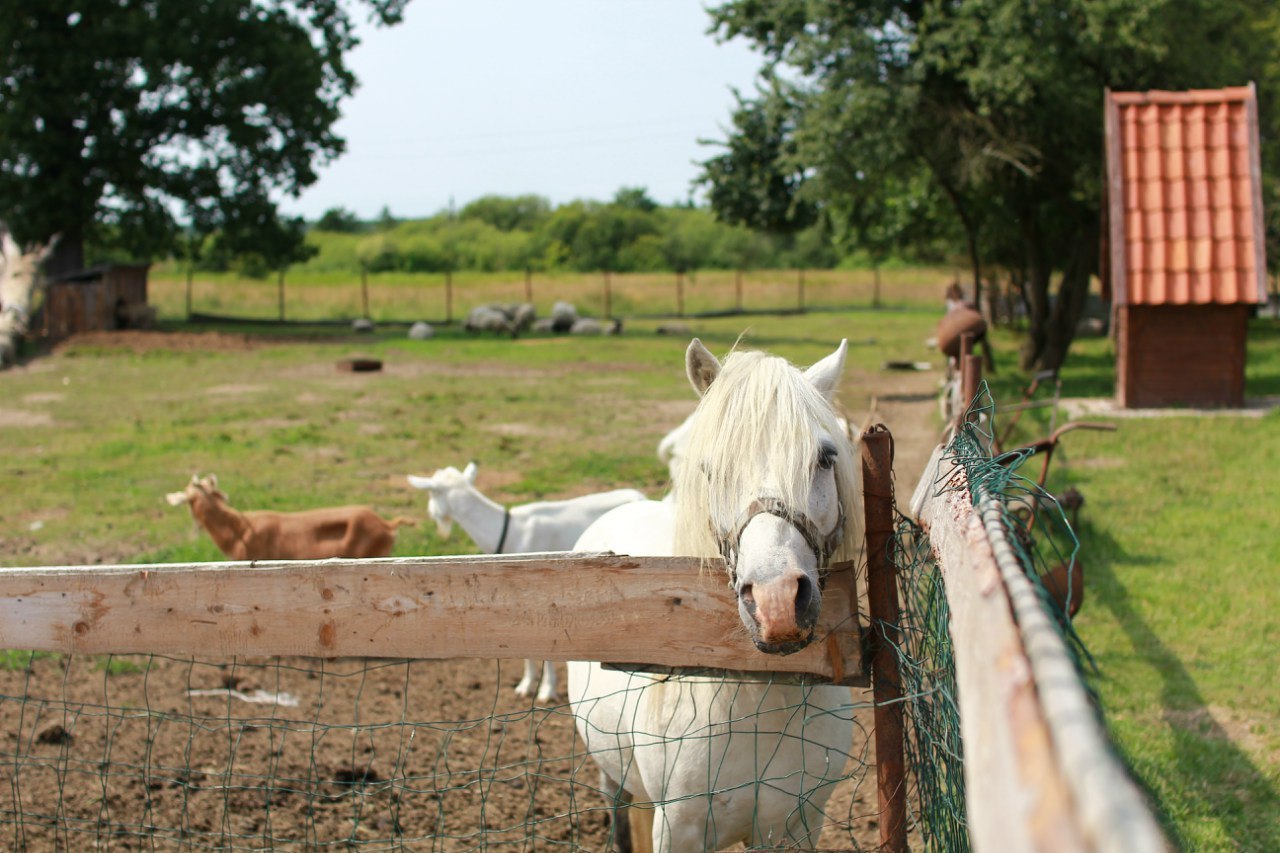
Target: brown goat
column 346, row 531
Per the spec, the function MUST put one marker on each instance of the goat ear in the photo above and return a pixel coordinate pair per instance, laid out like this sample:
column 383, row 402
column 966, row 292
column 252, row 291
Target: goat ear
column 825, row 374
column 701, row 365
column 470, row 472
column 176, row 498
column 422, row 482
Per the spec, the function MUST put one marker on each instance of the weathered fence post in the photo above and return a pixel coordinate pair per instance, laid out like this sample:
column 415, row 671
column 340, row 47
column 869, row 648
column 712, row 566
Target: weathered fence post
column 364, row 290
column 737, row 289
column 970, row 375
column 280, row 288
column 448, row 296
column 882, row 599
column 800, row 288
column 191, row 271
column 679, row 293
column 875, row 289
column 528, row 284
column 608, row 297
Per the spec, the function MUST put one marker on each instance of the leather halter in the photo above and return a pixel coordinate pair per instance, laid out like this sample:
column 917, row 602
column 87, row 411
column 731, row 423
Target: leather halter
column 823, row 546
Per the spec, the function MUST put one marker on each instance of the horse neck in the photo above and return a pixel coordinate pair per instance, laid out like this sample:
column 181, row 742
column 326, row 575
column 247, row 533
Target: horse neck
column 480, row 517
column 225, row 524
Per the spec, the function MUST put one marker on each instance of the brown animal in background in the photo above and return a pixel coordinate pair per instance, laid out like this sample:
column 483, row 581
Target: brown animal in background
column 1065, row 585
column 347, row 531
column 962, row 317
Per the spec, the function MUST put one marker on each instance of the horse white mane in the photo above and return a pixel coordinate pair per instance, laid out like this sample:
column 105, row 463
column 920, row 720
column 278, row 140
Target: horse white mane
column 759, row 414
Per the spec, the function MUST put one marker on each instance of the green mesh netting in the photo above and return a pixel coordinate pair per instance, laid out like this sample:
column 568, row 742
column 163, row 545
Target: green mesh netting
column 151, row 752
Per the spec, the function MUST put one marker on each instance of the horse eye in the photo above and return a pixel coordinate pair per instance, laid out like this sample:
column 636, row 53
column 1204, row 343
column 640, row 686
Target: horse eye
column 827, row 458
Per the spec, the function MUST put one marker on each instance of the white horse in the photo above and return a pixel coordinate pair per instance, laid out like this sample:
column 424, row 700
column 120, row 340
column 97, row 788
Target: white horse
column 540, row 526
column 19, row 276
column 769, row 482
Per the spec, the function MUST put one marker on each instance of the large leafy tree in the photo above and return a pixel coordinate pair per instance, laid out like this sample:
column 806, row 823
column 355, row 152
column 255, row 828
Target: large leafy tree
column 992, row 107
column 125, row 122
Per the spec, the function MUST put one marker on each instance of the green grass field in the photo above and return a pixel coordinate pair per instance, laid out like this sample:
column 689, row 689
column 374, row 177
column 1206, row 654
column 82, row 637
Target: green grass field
column 1178, row 533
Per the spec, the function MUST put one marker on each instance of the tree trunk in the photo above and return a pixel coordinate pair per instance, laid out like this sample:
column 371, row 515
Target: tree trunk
column 1052, row 328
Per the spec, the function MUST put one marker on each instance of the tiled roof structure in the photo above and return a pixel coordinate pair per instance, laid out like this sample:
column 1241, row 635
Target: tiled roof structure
column 1185, row 197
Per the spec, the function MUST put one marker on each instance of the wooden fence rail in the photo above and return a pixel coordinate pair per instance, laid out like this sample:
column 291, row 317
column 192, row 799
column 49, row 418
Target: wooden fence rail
column 1040, row 773
column 650, row 611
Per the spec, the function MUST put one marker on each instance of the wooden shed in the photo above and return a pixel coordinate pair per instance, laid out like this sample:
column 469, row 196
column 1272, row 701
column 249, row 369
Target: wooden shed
column 1186, row 256
column 112, row 296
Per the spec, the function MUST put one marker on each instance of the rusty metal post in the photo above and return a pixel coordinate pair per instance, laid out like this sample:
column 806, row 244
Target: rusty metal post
column 882, row 599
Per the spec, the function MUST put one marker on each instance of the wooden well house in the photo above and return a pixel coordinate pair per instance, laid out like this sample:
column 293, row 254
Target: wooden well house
column 113, row 296
column 1186, row 256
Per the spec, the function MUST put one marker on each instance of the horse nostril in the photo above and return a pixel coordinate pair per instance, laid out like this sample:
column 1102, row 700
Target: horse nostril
column 804, row 596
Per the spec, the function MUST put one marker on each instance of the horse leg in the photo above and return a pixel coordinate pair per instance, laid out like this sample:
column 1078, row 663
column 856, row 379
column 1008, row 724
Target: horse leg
column 621, row 833
column 547, row 690
column 525, row 687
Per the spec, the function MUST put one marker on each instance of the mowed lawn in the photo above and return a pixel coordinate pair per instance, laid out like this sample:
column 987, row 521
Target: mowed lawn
column 1178, row 532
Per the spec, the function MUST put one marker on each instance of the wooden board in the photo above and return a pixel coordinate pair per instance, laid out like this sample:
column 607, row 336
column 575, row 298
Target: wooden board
column 663, row 611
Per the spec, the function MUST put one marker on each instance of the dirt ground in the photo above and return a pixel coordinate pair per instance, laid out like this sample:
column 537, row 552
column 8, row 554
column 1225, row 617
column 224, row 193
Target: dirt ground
column 300, row 754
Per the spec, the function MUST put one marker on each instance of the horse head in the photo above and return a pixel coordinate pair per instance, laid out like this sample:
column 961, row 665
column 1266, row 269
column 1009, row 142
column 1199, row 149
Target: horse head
column 769, row 483
column 440, row 485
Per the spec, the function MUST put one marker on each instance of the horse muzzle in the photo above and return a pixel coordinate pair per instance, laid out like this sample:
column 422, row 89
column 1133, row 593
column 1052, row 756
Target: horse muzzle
column 780, row 614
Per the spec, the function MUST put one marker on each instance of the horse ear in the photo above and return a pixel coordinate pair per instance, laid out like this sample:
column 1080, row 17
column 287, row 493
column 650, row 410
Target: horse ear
column 47, row 249
column 825, row 374
column 470, row 472
column 701, row 366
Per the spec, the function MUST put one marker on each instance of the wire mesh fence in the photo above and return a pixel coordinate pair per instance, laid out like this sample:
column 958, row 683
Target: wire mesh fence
column 153, row 752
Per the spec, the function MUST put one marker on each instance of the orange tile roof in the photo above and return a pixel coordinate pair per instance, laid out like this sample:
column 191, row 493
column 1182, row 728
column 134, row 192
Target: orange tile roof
column 1185, row 197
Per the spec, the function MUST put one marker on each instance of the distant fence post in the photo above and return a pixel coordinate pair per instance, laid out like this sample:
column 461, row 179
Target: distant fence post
column 737, row 289
column 875, row 289
column 800, row 288
column 448, row 296
column 280, row 291
column 191, row 271
column 679, row 293
column 364, row 290
column 528, row 284
column 608, row 297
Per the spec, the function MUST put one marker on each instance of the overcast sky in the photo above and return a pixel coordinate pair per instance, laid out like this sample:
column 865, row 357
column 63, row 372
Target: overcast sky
column 561, row 98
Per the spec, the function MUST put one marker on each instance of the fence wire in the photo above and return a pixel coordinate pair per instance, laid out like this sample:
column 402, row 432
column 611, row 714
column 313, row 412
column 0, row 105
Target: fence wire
column 163, row 753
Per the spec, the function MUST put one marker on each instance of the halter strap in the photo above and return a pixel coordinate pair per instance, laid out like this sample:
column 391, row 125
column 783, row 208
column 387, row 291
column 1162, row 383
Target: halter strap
column 823, row 547
column 506, row 522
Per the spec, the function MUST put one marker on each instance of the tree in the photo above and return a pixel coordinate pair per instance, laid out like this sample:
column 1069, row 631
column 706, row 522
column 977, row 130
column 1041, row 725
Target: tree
column 993, row 105
column 118, row 121
column 338, row 220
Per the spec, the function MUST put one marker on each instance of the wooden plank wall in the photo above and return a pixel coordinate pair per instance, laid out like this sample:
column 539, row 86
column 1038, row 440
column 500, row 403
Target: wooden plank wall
column 1181, row 355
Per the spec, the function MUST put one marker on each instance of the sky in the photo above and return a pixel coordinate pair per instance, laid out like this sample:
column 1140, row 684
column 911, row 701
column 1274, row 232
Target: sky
column 565, row 99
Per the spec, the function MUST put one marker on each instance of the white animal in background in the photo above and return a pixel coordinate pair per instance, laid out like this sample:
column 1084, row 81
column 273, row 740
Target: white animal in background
column 769, row 481
column 316, row 534
column 531, row 527
column 19, row 279
column 486, row 318
column 592, row 326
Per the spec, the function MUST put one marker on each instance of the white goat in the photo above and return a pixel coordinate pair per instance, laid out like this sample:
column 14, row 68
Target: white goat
column 345, row 531
column 18, row 281
column 531, row 527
